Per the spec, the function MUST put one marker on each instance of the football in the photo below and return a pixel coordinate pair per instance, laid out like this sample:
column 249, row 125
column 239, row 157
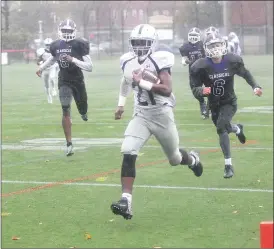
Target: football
column 151, row 76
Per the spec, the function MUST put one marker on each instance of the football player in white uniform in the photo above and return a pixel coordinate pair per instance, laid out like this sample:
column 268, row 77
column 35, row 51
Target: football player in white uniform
column 234, row 44
column 49, row 75
column 148, row 73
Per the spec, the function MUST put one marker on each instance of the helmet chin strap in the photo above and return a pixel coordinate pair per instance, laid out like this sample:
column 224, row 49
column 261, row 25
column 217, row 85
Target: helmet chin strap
column 142, row 57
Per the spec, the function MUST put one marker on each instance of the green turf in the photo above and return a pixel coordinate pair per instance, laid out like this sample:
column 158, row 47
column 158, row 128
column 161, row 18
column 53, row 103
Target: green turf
column 58, row 216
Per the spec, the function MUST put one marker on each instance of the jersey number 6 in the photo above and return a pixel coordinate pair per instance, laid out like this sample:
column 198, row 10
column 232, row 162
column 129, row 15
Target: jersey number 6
column 218, row 87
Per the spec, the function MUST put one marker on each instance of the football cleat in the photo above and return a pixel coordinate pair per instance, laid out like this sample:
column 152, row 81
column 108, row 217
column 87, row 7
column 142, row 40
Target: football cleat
column 84, row 117
column 228, row 172
column 49, row 99
column 204, row 111
column 241, row 135
column 123, row 208
column 70, row 150
column 197, row 168
column 205, row 116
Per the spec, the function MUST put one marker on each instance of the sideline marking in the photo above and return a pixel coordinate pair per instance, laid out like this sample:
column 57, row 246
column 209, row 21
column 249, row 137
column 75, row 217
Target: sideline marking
column 126, row 123
column 144, row 186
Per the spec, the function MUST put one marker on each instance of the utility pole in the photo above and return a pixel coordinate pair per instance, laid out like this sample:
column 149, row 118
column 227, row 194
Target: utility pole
column 196, row 13
column 269, row 23
column 40, row 23
column 226, row 16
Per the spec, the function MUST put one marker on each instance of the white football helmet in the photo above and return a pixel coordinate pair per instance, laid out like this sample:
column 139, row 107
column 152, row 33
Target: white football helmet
column 67, row 30
column 143, row 40
column 231, row 36
column 47, row 42
column 211, row 30
column 215, row 46
column 194, row 35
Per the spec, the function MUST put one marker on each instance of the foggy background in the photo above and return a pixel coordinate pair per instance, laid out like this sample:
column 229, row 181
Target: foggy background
column 107, row 24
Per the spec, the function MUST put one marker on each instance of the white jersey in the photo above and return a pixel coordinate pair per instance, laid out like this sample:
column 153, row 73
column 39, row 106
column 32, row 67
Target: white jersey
column 230, row 47
column 45, row 54
column 155, row 62
column 235, row 43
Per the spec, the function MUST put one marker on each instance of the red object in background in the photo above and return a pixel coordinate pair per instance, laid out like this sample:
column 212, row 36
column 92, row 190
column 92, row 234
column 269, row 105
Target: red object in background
column 91, row 36
column 266, row 231
column 248, row 13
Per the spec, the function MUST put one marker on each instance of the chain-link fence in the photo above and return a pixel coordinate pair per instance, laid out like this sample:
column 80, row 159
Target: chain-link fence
column 107, row 25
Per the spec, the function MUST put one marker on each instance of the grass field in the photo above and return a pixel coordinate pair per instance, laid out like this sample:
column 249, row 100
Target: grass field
column 51, row 201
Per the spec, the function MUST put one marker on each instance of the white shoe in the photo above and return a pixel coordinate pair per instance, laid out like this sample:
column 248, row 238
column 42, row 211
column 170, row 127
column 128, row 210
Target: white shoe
column 49, row 99
column 54, row 92
column 70, row 150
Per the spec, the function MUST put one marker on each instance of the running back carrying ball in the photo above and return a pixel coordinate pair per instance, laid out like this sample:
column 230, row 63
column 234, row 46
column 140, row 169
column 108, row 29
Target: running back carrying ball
column 149, row 75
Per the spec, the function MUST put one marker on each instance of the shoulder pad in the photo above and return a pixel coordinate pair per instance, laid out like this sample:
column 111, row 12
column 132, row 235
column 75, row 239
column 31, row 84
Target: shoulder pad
column 163, row 47
column 184, row 47
column 55, row 43
column 163, row 59
column 54, row 46
column 82, row 40
column 40, row 51
column 236, row 40
column 234, row 58
column 83, row 45
column 201, row 44
column 198, row 65
column 126, row 57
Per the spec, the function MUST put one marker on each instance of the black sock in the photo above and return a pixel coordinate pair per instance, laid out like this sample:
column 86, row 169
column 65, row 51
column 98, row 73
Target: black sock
column 225, row 144
column 69, row 144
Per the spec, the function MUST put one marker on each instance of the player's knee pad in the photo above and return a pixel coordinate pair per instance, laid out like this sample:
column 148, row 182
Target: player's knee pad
column 128, row 166
column 175, row 159
column 66, row 110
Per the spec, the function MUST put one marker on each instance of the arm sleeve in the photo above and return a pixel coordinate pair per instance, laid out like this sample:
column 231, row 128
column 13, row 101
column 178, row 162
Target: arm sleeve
column 86, row 64
column 196, row 83
column 125, row 87
column 52, row 50
column 244, row 73
column 183, row 51
column 49, row 62
column 163, row 60
column 85, row 48
column 40, row 60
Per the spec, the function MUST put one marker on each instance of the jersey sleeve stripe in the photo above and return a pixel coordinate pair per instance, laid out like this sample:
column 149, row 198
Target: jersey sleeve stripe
column 124, row 64
column 155, row 64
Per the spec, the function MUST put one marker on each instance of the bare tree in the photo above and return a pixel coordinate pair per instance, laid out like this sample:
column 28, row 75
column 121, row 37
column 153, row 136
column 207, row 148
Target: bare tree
column 5, row 13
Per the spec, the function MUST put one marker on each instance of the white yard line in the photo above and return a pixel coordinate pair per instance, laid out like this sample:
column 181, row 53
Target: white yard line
column 81, row 148
column 143, row 186
column 123, row 123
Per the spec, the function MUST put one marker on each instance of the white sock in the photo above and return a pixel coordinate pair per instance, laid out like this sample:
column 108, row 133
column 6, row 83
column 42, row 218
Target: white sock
column 238, row 130
column 193, row 161
column 228, row 161
column 128, row 196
